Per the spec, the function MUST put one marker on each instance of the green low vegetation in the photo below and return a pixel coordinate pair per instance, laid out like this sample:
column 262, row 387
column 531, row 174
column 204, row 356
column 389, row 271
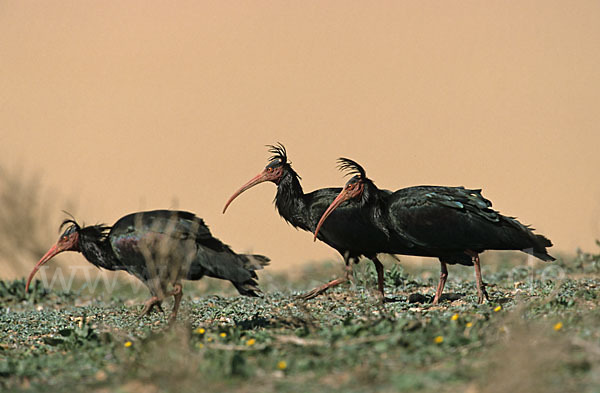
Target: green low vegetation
column 539, row 333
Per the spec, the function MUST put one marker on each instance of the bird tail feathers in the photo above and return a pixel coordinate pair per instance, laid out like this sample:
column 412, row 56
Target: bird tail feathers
column 251, row 263
column 539, row 249
column 543, row 241
column 247, row 288
column 255, row 262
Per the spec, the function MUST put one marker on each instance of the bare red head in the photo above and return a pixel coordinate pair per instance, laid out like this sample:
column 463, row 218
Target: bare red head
column 68, row 241
column 353, row 188
column 273, row 172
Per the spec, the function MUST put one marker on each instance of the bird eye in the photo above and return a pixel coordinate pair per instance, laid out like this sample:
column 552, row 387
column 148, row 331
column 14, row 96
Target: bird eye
column 269, row 169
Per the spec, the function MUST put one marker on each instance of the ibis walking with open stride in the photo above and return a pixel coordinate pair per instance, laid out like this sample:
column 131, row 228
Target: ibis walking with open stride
column 161, row 248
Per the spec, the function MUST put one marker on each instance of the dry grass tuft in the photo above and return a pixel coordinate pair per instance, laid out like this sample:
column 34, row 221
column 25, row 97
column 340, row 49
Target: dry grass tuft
column 26, row 227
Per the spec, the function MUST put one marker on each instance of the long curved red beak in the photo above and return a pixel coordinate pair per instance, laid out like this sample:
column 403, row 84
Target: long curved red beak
column 342, row 197
column 56, row 249
column 261, row 177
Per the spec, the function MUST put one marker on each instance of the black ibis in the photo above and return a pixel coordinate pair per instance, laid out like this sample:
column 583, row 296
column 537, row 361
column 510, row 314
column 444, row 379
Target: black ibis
column 454, row 224
column 303, row 211
column 161, row 248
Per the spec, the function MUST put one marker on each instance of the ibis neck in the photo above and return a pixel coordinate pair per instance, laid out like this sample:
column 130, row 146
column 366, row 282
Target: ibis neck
column 96, row 248
column 372, row 204
column 289, row 199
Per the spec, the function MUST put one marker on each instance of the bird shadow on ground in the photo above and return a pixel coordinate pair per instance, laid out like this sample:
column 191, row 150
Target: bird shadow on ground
column 420, row 298
column 255, row 323
column 503, row 300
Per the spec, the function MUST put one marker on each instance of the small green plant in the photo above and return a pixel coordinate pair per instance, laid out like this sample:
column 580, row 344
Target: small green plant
column 79, row 336
column 587, row 262
column 14, row 292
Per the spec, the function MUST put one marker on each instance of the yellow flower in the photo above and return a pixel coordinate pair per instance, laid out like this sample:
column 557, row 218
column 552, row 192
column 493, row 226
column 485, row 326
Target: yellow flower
column 223, row 335
column 498, row 308
column 251, row 342
column 200, row 331
column 438, row 339
column 454, row 317
column 128, row 344
column 282, row 365
column 200, row 345
column 469, row 324
column 558, row 326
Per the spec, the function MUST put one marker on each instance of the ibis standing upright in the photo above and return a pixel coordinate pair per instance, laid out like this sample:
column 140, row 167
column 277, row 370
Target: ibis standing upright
column 454, row 224
column 161, row 248
column 303, row 211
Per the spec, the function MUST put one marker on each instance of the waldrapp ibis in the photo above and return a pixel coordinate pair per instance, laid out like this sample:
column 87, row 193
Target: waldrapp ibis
column 161, row 248
column 454, row 224
column 303, row 211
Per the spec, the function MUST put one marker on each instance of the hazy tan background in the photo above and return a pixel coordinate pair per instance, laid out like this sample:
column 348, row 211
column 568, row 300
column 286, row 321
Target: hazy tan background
column 141, row 105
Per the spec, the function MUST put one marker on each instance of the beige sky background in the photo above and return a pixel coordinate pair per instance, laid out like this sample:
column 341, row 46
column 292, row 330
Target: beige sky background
column 136, row 105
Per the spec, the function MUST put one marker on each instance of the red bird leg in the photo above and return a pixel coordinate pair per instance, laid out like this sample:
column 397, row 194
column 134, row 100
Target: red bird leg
column 177, row 295
column 441, row 283
column 481, row 292
column 150, row 304
column 319, row 290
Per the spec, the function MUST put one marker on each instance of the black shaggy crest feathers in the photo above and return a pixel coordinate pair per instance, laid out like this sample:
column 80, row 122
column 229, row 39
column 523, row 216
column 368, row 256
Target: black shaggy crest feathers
column 278, row 152
column 351, row 167
column 68, row 221
column 99, row 231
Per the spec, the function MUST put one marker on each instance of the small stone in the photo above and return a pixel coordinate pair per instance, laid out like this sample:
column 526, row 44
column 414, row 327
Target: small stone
column 100, row 375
